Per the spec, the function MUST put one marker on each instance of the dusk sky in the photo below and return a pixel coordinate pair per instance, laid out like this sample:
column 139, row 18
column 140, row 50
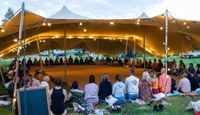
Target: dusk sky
column 184, row 9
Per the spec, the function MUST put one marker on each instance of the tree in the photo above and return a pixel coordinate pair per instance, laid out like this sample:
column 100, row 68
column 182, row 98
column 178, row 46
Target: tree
column 9, row 14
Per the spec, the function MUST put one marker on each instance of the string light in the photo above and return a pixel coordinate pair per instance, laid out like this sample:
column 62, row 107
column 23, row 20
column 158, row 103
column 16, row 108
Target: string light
column 69, row 37
column 188, row 27
column 43, row 24
column 49, row 24
column 112, row 23
column 15, row 40
column 184, row 23
column 161, row 28
column 20, row 47
column 91, row 37
column 80, row 24
column 84, row 30
column 138, row 20
column 138, row 23
column 163, row 43
column 2, row 30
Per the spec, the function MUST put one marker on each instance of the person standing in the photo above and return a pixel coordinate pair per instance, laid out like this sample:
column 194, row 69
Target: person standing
column 191, row 76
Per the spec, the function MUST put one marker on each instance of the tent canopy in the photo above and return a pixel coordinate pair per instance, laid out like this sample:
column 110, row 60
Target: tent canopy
column 106, row 36
column 65, row 13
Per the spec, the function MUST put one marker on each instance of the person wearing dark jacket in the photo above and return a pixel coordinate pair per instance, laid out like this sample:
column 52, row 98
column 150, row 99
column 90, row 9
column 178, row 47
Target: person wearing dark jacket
column 191, row 76
column 77, row 94
column 105, row 88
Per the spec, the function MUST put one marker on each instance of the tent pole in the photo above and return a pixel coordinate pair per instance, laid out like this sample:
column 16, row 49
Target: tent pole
column 18, row 55
column 65, row 47
column 38, row 46
column 49, row 52
column 166, row 49
column 24, row 69
column 134, row 45
column 97, row 48
column 2, row 77
column 126, row 49
column 134, row 51
column 144, row 46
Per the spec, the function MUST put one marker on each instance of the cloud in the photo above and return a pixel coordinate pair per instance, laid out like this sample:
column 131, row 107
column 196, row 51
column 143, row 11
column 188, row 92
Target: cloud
column 183, row 9
column 187, row 9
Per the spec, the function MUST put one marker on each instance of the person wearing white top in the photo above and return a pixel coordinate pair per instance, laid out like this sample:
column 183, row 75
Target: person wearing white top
column 36, row 82
column 132, row 84
column 119, row 90
column 184, row 84
column 45, row 81
column 91, row 91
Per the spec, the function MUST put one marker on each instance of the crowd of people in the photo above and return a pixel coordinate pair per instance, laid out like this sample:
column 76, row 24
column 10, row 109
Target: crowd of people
column 155, row 65
column 132, row 88
column 70, row 61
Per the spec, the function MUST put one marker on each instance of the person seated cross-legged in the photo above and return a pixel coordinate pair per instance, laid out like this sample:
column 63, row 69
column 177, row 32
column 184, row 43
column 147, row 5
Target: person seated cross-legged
column 58, row 96
column 119, row 90
column 184, row 85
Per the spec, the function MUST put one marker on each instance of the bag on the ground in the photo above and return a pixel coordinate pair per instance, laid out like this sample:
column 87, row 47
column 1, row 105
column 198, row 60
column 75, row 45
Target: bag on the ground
column 111, row 100
column 78, row 108
column 194, row 105
column 115, row 109
column 197, row 91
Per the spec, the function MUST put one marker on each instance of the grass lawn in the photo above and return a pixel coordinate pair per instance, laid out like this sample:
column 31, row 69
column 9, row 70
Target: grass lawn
column 4, row 64
column 178, row 107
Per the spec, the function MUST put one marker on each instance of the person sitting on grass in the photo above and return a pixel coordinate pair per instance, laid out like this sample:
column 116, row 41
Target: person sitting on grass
column 58, row 96
column 162, row 79
column 132, row 84
column 184, row 84
column 154, row 79
column 91, row 91
column 36, row 82
column 119, row 90
column 191, row 76
column 77, row 94
column 198, row 73
column 45, row 81
column 145, row 88
column 105, row 88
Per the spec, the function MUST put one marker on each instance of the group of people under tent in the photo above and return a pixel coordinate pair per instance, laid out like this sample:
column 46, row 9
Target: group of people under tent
column 130, row 89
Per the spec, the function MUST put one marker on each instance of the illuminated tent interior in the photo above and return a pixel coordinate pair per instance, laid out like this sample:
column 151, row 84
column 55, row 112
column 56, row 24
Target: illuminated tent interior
column 104, row 36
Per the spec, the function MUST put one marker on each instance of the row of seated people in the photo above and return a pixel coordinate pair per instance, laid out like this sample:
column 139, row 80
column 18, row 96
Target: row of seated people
column 76, row 61
column 95, row 94
column 157, row 65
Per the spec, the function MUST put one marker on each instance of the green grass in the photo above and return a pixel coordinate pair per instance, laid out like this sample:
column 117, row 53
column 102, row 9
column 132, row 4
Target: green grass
column 4, row 64
column 178, row 107
column 4, row 110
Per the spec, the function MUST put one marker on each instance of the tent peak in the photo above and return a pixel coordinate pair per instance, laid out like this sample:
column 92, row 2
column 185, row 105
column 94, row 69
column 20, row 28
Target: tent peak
column 65, row 13
column 143, row 16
